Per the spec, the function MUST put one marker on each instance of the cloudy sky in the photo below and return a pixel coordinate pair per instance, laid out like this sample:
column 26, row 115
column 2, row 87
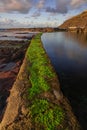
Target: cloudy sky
column 38, row 13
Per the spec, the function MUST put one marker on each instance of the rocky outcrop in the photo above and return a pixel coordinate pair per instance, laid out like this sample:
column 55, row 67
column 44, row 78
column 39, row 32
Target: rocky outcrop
column 76, row 22
column 11, row 57
column 16, row 110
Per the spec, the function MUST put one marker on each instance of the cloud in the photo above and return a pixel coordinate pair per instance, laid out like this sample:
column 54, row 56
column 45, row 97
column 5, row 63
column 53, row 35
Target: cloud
column 5, row 22
column 63, row 6
column 22, row 6
column 36, row 14
column 77, row 3
column 40, row 4
column 51, row 10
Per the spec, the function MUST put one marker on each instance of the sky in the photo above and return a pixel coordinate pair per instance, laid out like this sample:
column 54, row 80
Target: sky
column 38, row 13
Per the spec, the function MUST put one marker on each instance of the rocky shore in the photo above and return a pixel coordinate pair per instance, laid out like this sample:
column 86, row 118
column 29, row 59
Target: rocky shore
column 11, row 57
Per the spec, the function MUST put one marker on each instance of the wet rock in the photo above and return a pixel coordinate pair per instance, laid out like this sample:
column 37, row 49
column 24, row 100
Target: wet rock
column 24, row 37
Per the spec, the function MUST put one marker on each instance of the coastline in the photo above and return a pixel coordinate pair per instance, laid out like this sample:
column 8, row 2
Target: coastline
column 18, row 103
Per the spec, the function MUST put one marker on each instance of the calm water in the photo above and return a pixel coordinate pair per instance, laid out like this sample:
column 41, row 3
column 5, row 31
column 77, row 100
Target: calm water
column 68, row 54
column 15, row 35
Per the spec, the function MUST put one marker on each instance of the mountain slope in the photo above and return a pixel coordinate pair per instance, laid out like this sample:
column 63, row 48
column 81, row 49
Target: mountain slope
column 78, row 21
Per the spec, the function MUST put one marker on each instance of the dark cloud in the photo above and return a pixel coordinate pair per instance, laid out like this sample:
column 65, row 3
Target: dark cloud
column 63, row 6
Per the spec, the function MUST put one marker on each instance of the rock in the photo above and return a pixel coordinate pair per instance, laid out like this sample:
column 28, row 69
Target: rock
column 24, row 110
column 58, row 94
column 10, row 61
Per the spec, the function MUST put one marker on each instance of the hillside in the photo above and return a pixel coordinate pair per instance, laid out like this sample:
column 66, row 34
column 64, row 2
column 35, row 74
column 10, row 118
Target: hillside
column 76, row 21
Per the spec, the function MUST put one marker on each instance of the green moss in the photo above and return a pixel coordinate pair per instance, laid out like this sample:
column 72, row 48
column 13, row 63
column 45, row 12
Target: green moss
column 43, row 113
column 39, row 69
column 46, row 115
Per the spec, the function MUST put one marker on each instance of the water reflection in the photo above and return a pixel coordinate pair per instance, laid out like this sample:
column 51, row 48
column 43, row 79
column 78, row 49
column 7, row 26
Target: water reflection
column 81, row 38
column 68, row 53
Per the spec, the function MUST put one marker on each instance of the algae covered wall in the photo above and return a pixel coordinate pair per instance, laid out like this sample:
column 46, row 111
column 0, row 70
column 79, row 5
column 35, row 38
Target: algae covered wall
column 36, row 101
